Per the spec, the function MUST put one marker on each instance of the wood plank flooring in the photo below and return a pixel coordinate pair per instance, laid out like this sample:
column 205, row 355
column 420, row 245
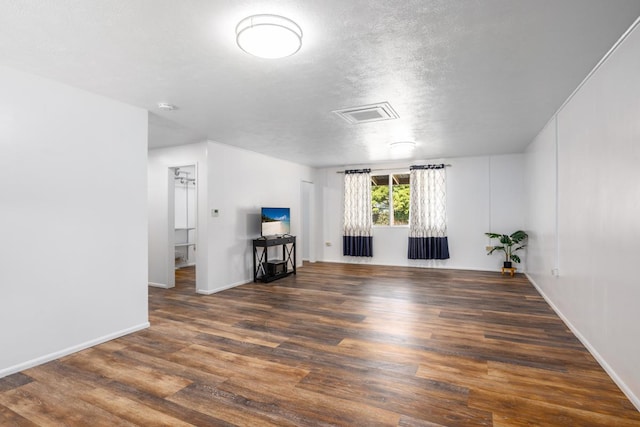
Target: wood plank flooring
column 345, row 345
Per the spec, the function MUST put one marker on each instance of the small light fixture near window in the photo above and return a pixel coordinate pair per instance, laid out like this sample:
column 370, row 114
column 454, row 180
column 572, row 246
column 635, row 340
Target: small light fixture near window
column 269, row 36
column 165, row 106
column 401, row 149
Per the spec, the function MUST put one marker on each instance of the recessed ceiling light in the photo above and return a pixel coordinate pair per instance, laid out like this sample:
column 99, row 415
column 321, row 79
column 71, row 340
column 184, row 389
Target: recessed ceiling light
column 269, row 36
column 166, row 106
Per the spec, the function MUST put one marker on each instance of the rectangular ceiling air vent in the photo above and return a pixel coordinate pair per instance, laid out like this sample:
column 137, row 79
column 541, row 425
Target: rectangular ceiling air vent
column 368, row 113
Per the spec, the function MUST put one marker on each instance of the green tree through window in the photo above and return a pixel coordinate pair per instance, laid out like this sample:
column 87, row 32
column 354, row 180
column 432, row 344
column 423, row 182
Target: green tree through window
column 388, row 191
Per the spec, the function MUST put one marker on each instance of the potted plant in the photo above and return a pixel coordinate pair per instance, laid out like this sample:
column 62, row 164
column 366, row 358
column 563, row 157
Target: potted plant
column 507, row 245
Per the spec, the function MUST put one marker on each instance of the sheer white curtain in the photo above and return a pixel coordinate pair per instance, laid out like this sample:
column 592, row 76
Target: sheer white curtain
column 428, row 213
column 358, row 225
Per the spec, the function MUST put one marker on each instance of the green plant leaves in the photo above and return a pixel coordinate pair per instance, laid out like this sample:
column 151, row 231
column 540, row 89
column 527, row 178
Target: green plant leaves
column 495, row 248
column 493, row 235
column 508, row 241
column 518, row 236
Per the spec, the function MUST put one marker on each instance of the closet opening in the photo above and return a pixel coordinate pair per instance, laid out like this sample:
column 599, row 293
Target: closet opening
column 184, row 225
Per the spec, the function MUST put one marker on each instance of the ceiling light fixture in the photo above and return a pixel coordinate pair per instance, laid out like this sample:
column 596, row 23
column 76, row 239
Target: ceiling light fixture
column 269, row 36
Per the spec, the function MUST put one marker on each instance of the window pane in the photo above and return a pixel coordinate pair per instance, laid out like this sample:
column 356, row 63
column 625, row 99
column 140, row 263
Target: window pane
column 401, row 199
column 380, row 199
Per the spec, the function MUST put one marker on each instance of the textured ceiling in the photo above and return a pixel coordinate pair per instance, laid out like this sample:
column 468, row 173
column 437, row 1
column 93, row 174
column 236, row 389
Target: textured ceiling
column 466, row 77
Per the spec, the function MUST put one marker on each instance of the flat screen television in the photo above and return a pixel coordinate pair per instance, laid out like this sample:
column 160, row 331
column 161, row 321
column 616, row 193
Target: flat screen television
column 275, row 221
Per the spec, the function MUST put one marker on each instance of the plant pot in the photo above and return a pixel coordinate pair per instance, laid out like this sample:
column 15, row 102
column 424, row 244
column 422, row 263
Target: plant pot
column 507, row 264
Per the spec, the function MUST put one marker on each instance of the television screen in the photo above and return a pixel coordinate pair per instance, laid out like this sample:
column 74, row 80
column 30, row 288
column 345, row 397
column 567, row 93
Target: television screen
column 275, row 221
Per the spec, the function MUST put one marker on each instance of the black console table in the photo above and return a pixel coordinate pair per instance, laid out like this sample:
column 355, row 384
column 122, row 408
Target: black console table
column 267, row 270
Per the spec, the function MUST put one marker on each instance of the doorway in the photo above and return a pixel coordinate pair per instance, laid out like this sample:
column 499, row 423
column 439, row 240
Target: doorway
column 184, row 224
column 307, row 199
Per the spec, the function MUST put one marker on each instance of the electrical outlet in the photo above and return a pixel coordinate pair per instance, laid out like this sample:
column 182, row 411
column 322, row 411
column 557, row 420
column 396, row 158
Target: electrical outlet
column 488, row 248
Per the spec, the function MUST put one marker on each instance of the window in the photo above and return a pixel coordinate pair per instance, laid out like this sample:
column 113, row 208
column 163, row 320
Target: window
column 390, row 199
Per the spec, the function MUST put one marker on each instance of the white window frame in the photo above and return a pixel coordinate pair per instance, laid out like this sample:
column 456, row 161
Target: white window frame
column 389, row 174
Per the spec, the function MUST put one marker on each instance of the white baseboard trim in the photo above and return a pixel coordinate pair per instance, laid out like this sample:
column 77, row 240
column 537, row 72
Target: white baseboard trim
column 411, row 265
column 69, row 350
column 223, row 288
column 160, row 285
column 608, row 369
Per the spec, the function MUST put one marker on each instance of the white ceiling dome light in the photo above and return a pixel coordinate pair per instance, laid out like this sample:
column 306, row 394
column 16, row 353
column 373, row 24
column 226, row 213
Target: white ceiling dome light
column 269, row 36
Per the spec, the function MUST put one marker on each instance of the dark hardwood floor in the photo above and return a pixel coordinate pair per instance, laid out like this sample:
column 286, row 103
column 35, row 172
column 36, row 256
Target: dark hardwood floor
column 337, row 344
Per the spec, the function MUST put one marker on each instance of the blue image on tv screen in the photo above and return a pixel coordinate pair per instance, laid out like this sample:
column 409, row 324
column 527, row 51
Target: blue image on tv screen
column 276, row 221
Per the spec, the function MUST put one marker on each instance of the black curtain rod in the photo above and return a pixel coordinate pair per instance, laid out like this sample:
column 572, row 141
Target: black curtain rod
column 424, row 167
column 357, row 171
column 385, row 169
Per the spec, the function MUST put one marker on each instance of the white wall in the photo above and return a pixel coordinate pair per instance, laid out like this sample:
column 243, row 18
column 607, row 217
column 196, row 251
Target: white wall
column 483, row 194
column 540, row 167
column 240, row 183
column 237, row 183
column 598, row 211
column 161, row 212
column 73, row 192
